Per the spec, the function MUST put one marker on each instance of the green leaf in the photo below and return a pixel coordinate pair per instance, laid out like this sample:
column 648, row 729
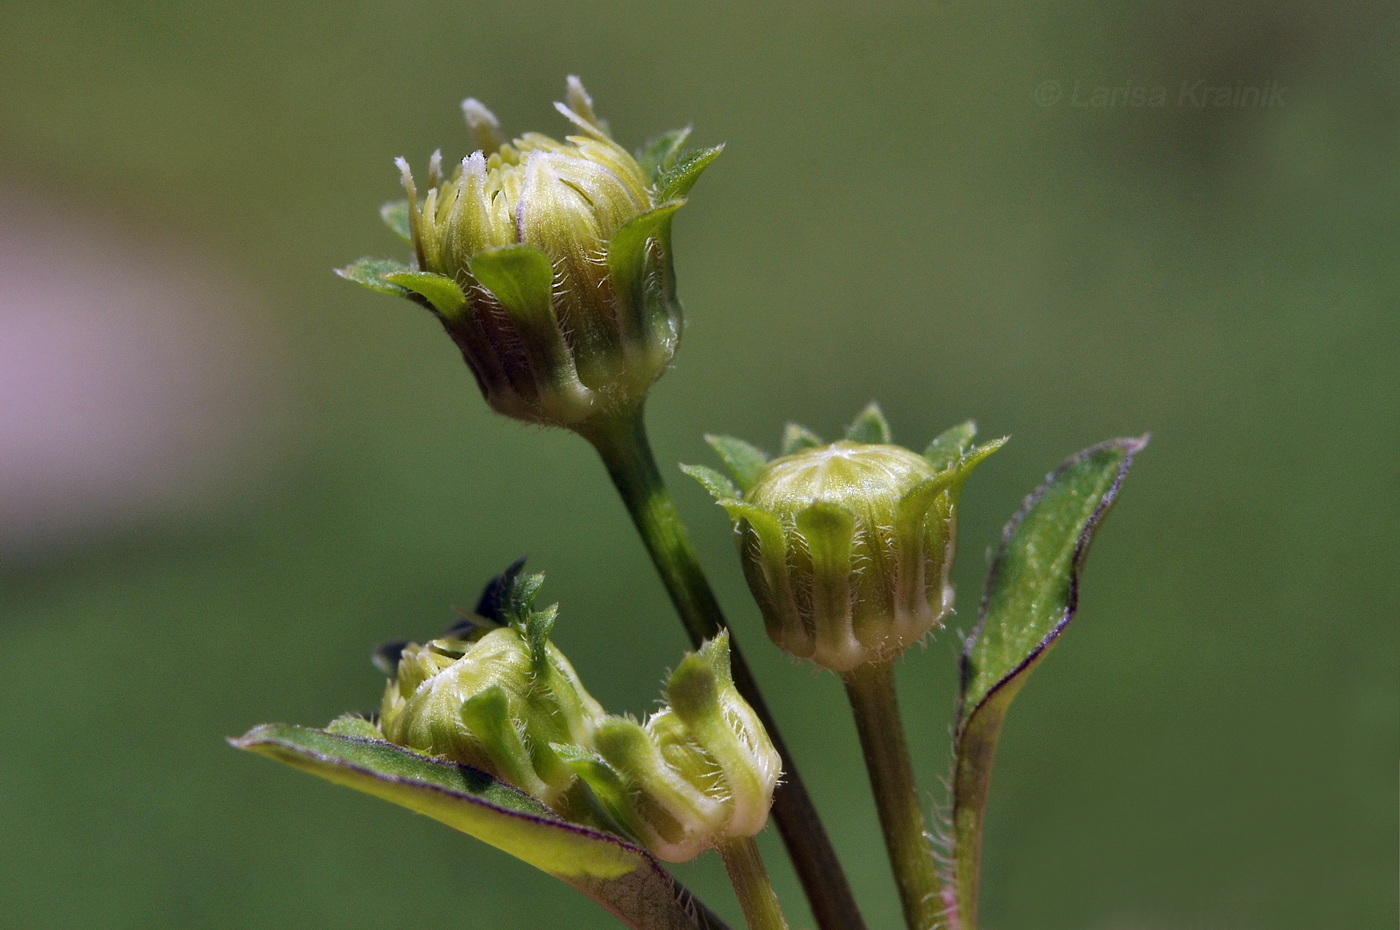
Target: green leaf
column 676, row 182
column 1033, row 584
column 951, row 445
column 918, row 501
column 395, row 216
column 439, row 290
column 617, row 874
column 1031, row 596
column 607, row 787
column 720, row 487
column 796, row 438
column 659, row 155
column 971, row 459
column 775, row 595
column 522, row 278
column 354, row 725
column 829, row 530
column 744, row 461
column 373, row 273
column 870, row 427
column 627, row 250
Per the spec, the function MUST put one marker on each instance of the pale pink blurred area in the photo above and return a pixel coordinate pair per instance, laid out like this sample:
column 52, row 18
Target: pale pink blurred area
column 139, row 382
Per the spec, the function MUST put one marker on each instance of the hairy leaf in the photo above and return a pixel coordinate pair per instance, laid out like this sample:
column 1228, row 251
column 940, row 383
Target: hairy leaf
column 1031, row 596
column 744, row 461
column 618, row 875
column 373, row 273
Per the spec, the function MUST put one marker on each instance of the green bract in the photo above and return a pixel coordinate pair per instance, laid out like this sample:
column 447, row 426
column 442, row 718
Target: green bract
column 847, row 546
column 548, row 263
column 700, row 771
column 497, row 700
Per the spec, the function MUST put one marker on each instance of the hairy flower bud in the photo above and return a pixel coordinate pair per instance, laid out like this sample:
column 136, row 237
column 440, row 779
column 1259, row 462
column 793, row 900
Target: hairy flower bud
column 847, row 546
column 701, row 771
column 497, row 699
column 548, row 263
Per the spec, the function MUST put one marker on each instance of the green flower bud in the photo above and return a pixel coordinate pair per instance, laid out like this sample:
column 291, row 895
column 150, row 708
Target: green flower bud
column 701, row 771
column 847, row 546
column 548, row 263
column 497, row 698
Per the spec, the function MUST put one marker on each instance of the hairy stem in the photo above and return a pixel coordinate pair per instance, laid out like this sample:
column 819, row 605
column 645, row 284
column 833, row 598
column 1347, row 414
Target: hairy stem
column 972, row 776
column 627, row 454
column 751, row 884
column 876, row 707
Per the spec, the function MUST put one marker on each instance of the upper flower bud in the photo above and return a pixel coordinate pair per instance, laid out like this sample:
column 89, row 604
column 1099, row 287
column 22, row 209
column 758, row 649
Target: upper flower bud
column 847, row 546
column 548, row 262
column 700, row 772
column 495, row 697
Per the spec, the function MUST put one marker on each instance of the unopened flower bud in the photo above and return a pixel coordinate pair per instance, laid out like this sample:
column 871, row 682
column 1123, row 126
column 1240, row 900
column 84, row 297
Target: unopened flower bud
column 548, row 263
column 495, row 699
column 847, row 546
column 700, row 772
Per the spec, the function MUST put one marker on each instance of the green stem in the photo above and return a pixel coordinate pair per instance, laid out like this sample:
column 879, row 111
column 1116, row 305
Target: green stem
column 972, row 776
column 625, row 451
column 751, row 884
column 876, row 707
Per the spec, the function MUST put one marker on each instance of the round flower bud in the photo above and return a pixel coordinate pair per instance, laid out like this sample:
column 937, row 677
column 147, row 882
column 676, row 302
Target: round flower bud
column 496, row 702
column 701, row 771
column 847, row 546
column 548, row 263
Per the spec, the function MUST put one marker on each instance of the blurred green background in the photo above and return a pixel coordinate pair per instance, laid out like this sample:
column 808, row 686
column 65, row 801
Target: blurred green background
column 226, row 474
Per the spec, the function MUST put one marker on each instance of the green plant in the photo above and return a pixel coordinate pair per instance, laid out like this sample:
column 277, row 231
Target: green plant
column 549, row 264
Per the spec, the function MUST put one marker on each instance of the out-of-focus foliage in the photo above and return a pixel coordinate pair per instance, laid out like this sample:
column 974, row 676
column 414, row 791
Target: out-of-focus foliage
column 905, row 211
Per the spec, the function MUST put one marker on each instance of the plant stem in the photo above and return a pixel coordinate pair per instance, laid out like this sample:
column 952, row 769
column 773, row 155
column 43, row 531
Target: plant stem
column 876, row 707
column 751, row 884
column 625, row 451
column 972, row 776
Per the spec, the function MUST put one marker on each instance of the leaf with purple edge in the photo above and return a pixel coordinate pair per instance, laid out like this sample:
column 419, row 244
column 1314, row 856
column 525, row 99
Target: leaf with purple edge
column 1031, row 595
column 617, row 874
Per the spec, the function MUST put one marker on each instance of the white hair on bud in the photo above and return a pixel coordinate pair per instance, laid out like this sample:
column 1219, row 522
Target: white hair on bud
column 435, row 169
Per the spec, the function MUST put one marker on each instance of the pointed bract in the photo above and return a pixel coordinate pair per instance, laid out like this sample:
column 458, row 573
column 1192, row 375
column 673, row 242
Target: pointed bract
column 660, row 155
column 720, row 487
column 744, row 461
column 950, row 445
column 797, row 437
column 676, row 181
column 374, row 273
column 870, row 426
column 395, row 216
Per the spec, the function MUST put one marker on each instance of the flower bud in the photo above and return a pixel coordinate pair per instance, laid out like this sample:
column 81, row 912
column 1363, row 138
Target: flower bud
column 548, row 263
column 496, row 699
column 847, row 546
column 701, row 771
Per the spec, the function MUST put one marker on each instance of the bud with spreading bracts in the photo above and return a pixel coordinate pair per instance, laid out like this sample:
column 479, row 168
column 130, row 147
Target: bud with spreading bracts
column 549, row 263
column 699, row 773
column 847, row 546
column 494, row 693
